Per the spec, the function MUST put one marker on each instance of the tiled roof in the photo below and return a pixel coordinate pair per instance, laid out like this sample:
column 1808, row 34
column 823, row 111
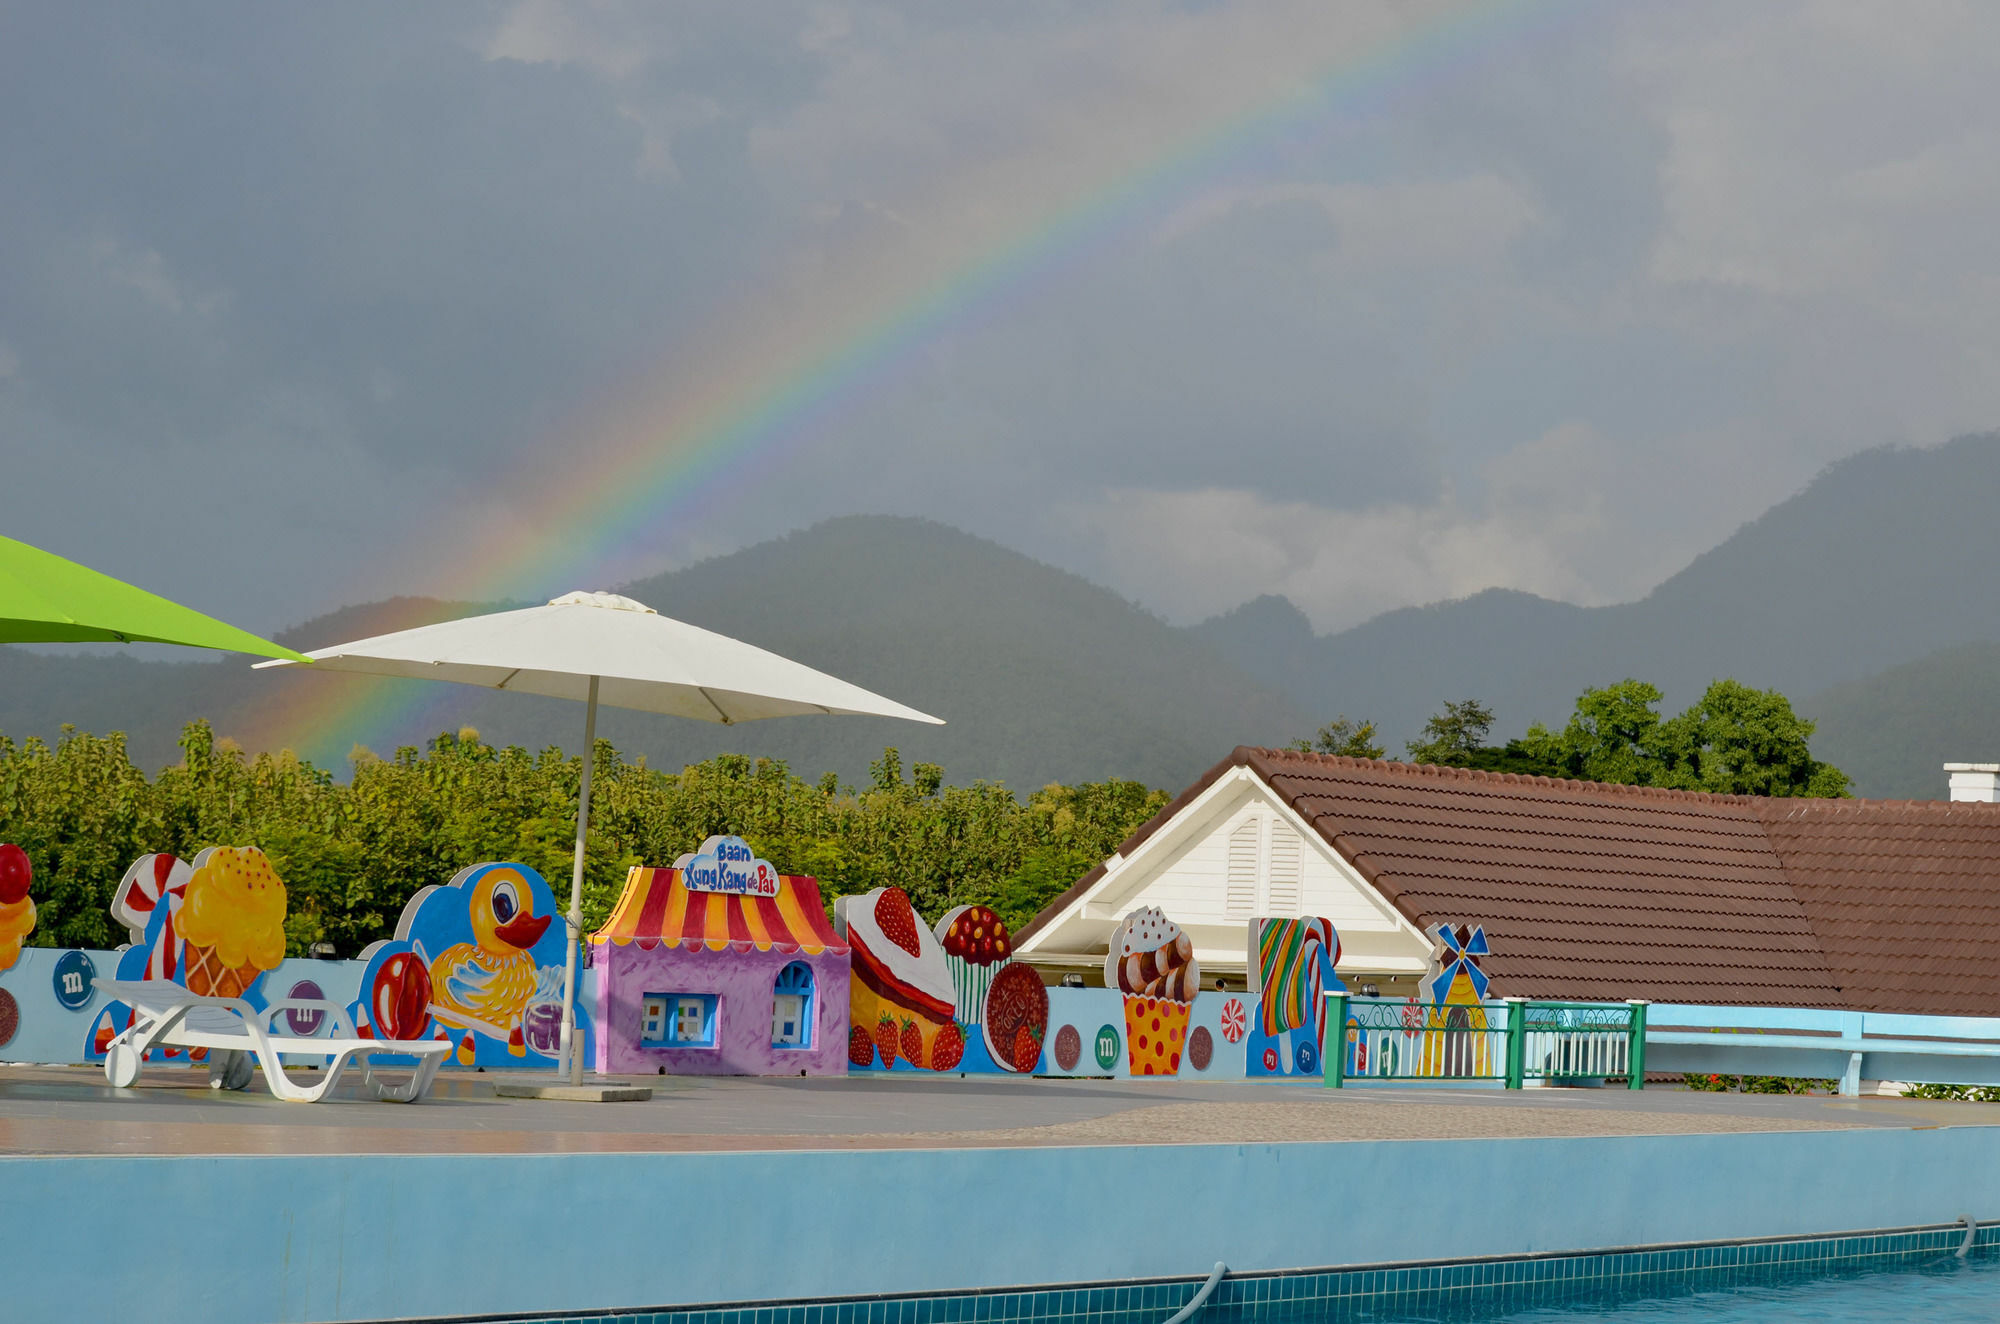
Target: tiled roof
column 1595, row 891
column 1904, row 895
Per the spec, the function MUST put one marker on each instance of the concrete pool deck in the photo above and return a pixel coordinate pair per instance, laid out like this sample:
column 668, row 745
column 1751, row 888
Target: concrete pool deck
column 72, row 1111
column 759, row 1191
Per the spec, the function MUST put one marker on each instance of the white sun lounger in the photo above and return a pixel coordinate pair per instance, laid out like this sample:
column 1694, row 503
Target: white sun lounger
column 164, row 1012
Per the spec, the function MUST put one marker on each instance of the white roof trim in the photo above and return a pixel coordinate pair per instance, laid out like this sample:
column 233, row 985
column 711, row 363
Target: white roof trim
column 1118, row 863
column 1169, row 836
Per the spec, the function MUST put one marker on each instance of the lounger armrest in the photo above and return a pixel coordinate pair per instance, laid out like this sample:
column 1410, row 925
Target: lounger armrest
column 333, row 1011
column 148, row 994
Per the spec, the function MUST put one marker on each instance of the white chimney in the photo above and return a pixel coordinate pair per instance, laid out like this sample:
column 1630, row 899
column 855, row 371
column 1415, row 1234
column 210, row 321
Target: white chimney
column 1975, row 781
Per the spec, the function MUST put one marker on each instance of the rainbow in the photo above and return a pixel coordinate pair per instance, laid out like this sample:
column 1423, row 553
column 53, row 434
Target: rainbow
column 774, row 371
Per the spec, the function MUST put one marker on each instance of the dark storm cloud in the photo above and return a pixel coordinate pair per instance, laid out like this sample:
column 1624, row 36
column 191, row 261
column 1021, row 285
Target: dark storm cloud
column 282, row 283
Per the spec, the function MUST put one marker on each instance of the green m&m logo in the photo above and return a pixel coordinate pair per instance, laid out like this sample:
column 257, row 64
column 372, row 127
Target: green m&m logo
column 1107, row 1048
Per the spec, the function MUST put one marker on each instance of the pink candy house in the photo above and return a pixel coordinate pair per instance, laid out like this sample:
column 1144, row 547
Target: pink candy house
column 721, row 966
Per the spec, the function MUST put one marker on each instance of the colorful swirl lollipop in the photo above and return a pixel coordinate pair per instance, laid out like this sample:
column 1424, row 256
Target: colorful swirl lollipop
column 1289, row 962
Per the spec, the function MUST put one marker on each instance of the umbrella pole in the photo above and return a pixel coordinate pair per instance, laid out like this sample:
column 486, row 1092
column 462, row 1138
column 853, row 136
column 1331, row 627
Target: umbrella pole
column 572, row 1051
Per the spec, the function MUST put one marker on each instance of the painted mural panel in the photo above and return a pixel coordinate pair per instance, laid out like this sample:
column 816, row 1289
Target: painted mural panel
column 1151, row 963
column 948, row 998
column 902, row 1003
column 1218, row 1026
column 43, row 1028
column 1086, row 1033
column 1002, row 1004
column 477, row 962
column 1291, row 965
column 721, row 966
column 216, row 927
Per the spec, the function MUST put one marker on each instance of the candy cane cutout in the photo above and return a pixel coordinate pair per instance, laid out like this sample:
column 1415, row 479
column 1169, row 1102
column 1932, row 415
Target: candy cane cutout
column 150, row 878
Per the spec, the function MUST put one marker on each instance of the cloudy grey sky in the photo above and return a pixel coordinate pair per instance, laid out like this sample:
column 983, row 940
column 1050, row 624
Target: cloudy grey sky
column 295, row 300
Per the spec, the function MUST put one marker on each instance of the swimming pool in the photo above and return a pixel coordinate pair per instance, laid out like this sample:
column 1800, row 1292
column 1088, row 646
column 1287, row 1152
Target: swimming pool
column 1945, row 1292
column 1833, row 1279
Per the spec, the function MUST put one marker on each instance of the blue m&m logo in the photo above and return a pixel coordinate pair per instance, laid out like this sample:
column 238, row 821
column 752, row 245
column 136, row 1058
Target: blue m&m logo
column 73, row 976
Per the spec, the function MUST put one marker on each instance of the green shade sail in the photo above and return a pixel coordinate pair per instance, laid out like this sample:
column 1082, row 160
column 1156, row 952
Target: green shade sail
column 47, row 600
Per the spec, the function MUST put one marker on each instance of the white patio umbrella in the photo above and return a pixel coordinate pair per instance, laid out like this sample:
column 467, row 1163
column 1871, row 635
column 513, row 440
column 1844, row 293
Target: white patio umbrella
column 603, row 648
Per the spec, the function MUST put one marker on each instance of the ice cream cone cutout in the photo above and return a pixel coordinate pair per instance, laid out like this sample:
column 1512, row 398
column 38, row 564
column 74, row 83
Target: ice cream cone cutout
column 17, row 909
column 231, row 921
column 1151, row 961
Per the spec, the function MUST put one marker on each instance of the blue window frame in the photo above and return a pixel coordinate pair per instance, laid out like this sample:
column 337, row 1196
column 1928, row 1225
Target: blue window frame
column 679, row 1020
column 792, row 1007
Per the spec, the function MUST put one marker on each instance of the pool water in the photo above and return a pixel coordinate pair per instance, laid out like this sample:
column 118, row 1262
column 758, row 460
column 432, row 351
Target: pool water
column 1944, row 1292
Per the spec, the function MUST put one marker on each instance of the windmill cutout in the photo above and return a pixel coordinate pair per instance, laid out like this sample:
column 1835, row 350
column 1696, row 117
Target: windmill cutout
column 1456, row 978
column 1455, row 989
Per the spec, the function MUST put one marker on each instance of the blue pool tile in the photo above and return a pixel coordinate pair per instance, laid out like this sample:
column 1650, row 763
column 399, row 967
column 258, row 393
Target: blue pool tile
column 1455, row 1290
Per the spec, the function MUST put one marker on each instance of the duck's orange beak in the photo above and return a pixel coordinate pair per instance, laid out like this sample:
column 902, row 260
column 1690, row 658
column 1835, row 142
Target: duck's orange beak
column 522, row 931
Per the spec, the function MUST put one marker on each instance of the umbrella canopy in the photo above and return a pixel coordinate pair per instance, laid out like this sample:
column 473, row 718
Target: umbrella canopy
column 603, row 648
column 45, row 599
column 642, row 659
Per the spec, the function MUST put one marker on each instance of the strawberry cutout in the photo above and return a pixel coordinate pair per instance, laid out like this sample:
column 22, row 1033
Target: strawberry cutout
column 948, row 1049
column 912, row 1044
column 1027, row 1048
column 860, row 1047
column 897, row 919
column 885, row 1039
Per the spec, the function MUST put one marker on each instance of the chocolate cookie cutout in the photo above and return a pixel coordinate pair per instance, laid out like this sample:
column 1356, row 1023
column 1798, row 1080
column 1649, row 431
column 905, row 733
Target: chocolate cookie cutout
column 1069, row 1048
column 1201, row 1048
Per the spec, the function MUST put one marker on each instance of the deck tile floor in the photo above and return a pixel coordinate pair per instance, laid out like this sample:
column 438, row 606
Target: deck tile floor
column 71, row 1110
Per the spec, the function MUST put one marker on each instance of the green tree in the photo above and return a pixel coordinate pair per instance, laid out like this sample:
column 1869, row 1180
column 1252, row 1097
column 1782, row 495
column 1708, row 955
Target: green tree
column 1746, row 741
column 1450, row 735
column 1345, row 736
column 1613, row 736
column 1734, row 740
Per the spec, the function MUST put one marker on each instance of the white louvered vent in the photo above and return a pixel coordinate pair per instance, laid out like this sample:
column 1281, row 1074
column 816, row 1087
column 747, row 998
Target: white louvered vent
column 1285, row 871
column 1240, row 899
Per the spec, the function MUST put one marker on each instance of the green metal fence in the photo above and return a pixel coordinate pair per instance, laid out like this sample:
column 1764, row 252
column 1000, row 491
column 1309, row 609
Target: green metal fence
column 1511, row 1041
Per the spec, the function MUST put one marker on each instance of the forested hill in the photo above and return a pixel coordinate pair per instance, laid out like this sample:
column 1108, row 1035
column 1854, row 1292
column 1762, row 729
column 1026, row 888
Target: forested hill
column 1904, row 724
column 1040, row 675
column 1883, row 561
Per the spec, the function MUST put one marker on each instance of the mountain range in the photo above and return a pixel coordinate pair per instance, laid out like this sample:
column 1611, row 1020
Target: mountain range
column 1865, row 597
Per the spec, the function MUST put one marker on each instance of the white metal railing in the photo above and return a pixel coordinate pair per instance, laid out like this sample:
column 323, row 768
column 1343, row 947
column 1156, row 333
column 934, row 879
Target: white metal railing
column 1591, row 1053
column 1825, row 1043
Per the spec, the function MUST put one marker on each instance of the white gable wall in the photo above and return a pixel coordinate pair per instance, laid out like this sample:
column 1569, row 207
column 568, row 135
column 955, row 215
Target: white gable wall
column 1235, row 853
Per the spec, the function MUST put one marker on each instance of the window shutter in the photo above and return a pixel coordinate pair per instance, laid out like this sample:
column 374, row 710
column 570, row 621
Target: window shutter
column 1286, row 883
column 1240, row 897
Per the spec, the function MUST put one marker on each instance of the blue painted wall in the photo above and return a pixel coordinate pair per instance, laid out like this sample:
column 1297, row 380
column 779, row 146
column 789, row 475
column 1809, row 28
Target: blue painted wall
column 51, row 1033
column 219, row 1240
column 47, row 1032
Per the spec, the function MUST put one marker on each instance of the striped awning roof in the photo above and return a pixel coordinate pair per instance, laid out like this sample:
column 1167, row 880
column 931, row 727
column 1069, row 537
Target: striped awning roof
column 659, row 909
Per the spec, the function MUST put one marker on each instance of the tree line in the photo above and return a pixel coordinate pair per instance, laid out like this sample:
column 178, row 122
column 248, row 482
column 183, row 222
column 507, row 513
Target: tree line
column 1734, row 740
column 352, row 854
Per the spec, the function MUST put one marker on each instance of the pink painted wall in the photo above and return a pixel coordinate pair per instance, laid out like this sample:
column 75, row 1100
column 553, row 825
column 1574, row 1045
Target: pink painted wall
column 742, row 983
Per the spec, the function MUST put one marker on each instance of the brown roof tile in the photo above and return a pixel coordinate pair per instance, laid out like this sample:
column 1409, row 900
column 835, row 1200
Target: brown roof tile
column 1596, row 891
column 1905, row 896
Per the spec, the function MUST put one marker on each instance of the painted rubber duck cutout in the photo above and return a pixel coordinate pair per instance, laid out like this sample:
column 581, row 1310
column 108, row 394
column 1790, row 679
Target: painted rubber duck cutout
column 485, row 985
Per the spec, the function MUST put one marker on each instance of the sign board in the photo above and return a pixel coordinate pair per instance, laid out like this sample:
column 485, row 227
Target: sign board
column 727, row 864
